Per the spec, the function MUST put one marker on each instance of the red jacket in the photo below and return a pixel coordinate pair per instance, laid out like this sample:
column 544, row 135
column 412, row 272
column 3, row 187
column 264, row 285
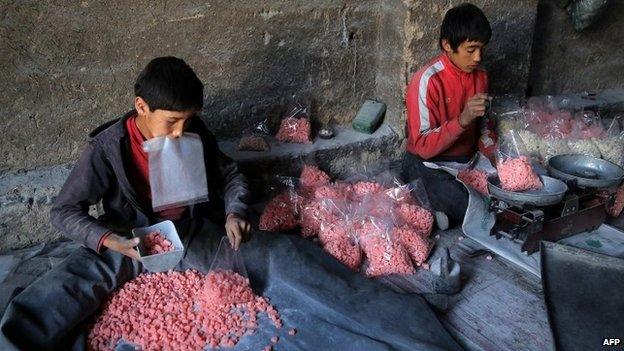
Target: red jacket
column 436, row 96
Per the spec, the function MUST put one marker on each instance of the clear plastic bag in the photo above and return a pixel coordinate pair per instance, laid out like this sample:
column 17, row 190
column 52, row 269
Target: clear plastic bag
column 552, row 146
column 514, row 166
column 339, row 241
column 384, row 255
column 295, row 126
column 282, row 212
column 611, row 146
column 417, row 245
column 586, row 127
column 227, row 281
column 532, row 143
column 177, row 171
column 254, row 139
column 228, row 259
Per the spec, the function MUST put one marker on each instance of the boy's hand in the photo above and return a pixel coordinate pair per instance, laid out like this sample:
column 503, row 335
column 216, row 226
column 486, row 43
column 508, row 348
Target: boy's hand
column 475, row 107
column 123, row 246
column 237, row 230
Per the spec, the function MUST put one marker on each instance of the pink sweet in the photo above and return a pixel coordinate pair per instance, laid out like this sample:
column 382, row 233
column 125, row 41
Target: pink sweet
column 313, row 213
column 332, row 191
column 345, row 251
column 416, row 217
column 361, row 189
column 294, row 130
column 275, row 339
column 180, row 311
column 338, row 230
column 386, row 257
column 292, row 331
column 414, row 243
column 516, row 174
column 476, row 179
column 156, row 243
column 279, row 214
column 312, row 176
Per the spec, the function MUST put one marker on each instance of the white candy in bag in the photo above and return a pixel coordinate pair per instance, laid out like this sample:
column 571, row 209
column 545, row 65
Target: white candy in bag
column 177, row 173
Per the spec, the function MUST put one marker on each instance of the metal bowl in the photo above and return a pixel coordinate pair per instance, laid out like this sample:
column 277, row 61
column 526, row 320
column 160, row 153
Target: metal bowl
column 585, row 171
column 551, row 193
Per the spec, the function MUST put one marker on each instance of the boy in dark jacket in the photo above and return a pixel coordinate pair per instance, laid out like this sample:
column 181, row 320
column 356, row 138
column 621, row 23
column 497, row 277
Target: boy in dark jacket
column 114, row 169
column 446, row 100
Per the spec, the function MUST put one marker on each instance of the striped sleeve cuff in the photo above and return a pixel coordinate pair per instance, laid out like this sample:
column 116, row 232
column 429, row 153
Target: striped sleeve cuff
column 101, row 242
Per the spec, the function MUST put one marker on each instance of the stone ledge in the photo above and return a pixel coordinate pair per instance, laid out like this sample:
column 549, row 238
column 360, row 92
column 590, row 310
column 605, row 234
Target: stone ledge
column 343, row 138
column 349, row 152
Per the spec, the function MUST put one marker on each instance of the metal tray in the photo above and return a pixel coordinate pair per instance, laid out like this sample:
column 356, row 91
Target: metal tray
column 585, row 171
column 552, row 193
column 163, row 261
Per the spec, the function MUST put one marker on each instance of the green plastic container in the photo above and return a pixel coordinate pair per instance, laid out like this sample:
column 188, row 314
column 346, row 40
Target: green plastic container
column 369, row 117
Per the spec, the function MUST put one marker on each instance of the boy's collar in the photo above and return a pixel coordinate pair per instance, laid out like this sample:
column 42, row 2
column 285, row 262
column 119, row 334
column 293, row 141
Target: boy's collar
column 446, row 60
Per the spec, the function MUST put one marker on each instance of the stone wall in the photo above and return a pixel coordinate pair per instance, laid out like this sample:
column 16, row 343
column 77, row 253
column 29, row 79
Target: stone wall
column 566, row 61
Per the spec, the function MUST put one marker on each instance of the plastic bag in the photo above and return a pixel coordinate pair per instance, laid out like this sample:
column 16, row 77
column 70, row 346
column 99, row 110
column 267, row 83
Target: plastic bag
column 384, row 255
column 532, row 143
column 227, row 282
column 177, row 171
column 312, row 176
column 586, row 128
column 295, row 126
column 338, row 240
column 282, row 212
column 475, row 178
column 314, row 212
column 611, row 146
column 552, row 146
column 514, row 167
column 254, row 139
column 417, row 245
column 228, row 259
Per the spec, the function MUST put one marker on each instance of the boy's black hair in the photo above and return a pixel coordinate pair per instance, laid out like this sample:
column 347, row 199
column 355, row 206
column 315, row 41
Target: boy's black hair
column 168, row 83
column 464, row 22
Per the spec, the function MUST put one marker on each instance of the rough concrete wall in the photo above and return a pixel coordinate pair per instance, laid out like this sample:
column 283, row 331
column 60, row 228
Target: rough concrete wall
column 391, row 66
column 72, row 64
column 565, row 61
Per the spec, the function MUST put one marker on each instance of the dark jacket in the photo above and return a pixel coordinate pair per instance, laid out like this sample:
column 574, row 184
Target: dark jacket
column 100, row 174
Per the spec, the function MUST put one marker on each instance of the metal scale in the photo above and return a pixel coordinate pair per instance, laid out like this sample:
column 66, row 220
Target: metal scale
column 573, row 200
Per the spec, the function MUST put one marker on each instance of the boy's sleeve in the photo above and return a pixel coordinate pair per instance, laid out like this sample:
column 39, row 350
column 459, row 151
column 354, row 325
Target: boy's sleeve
column 235, row 188
column 85, row 186
column 234, row 184
column 427, row 136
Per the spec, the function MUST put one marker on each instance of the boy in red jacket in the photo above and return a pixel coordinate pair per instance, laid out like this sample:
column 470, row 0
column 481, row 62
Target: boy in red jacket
column 446, row 100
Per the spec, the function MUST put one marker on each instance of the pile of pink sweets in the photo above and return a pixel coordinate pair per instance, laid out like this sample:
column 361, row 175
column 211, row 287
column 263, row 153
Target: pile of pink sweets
column 156, row 243
column 294, row 130
column 516, row 174
column 476, row 179
column 364, row 224
column 181, row 311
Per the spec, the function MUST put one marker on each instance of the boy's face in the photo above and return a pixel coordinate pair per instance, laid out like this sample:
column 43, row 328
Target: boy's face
column 468, row 54
column 158, row 123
